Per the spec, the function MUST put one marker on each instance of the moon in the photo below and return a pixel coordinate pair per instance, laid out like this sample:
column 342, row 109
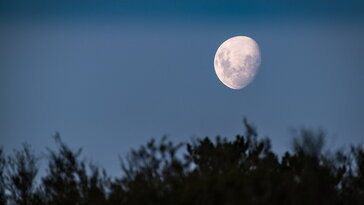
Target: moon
column 237, row 61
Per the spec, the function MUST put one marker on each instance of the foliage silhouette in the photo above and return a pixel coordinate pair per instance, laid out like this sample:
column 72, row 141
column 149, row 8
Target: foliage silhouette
column 21, row 173
column 243, row 170
column 68, row 181
column 2, row 177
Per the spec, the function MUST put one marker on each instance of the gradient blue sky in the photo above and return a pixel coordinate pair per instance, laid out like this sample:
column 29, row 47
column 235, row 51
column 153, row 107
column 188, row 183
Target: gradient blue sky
column 109, row 75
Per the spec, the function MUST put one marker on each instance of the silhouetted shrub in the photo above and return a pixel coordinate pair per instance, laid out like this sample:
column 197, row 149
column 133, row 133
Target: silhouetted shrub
column 68, row 181
column 243, row 170
column 21, row 173
column 2, row 177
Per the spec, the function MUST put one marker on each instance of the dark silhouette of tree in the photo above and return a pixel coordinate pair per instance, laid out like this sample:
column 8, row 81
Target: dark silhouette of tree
column 352, row 184
column 68, row 182
column 309, row 142
column 243, row 170
column 2, row 177
column 147, row 174
column 21, row 173
column 311, row 178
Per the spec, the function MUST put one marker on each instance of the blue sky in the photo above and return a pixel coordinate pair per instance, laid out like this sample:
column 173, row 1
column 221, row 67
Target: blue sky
column 109, row 75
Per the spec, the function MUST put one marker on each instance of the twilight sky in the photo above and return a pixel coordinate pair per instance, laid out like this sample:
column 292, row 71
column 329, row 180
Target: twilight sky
column 109, row 75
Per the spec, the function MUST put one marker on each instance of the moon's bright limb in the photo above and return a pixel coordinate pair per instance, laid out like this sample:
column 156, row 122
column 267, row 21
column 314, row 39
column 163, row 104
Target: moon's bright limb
column 237, row 61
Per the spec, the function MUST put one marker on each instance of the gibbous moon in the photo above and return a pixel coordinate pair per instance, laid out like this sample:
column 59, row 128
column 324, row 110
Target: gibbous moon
column 237, row 61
